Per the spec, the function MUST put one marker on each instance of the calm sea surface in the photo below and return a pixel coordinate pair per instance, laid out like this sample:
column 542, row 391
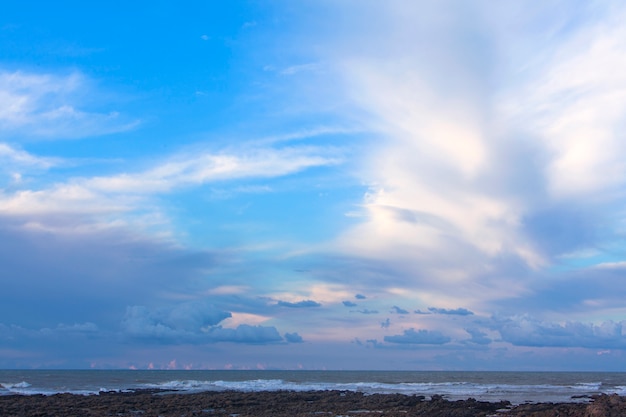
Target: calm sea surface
column 517, row 387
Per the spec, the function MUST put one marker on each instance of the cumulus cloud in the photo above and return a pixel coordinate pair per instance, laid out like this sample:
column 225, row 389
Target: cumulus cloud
column 453, row 312
column 299, row 304
column 420, row 337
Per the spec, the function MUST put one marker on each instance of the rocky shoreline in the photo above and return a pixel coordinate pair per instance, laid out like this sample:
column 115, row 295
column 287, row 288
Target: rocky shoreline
column 293, row 404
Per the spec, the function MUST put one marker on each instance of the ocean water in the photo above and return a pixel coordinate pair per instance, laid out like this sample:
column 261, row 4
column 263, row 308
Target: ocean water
column 517, row 387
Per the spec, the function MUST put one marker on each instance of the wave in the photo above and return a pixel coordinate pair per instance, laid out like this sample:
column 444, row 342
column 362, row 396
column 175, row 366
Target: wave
column 25, row 388
column 516, row 393
column 448, row 389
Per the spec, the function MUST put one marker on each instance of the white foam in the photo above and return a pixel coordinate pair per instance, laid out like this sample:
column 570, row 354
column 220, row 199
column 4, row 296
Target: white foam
column 25, row 388
column 450, row 390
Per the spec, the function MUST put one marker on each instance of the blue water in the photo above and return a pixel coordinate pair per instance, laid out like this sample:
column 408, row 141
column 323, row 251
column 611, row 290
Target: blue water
column 517, row 387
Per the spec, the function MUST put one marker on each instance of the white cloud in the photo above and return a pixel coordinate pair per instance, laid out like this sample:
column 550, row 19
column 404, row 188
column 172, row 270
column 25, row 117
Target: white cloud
column 577, row 109
column 204, row 167
column 471, row 148
column 10, row 156
column 130, row 192
column 43, row 105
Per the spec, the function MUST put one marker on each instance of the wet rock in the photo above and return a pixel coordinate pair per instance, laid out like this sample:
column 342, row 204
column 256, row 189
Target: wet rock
column 292, row 404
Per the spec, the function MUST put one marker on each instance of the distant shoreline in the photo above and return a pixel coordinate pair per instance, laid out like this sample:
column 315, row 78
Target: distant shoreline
column 149, row 403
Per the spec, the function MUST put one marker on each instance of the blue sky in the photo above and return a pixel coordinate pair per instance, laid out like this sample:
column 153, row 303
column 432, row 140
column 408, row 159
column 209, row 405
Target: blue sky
column 313, row 185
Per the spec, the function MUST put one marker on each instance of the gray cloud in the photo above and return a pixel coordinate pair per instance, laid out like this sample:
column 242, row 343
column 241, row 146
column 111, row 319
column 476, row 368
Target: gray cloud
column 528, row 331
column 192, row 323
column 349, row 304
column 360, row 297
column 85, row 272
column 420, row 337
column 478, row 337
column 293, row 338
column 453, row 312
column 398, row 310
column 187, row 321
column 367, row 311
column 244, row 333
column 299, row 304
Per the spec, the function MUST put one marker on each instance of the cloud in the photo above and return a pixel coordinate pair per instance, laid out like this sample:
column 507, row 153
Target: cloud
column 367, row 311
column 575, row 105
column 349, row 304
column 385, row 324
column 444, row 198
column 360, row 297
column 398, row 310
column 293, row 338
column 244, row 334
column 10, row 156
column 20, row 166
column 98, row 272
column 478, row 337
column 420, row 337
column 192, row 322
column 528, row 331
column 453, row 312
column 14, row 332
column 129, row 196
column 203, row 167
column 295, row 69
column 299, row 304
column 473, row 186
column 186, row 321
column 44, row 105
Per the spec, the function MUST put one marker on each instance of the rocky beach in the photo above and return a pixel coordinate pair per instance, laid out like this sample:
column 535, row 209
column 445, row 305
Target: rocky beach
column 151, row 403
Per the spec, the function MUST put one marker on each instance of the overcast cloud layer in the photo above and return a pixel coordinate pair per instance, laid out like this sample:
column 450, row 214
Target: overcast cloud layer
column 316, row 185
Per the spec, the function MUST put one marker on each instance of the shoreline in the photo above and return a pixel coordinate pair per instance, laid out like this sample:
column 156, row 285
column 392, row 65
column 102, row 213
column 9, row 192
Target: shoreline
column 149, row 403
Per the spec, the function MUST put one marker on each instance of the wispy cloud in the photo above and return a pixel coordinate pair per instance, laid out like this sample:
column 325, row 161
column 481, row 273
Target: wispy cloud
column 17, row 157
column 42, row 105
column 125, row 193
column 479, row 153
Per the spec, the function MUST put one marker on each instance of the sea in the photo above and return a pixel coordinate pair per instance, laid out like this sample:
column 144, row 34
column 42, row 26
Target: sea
column 516, row 387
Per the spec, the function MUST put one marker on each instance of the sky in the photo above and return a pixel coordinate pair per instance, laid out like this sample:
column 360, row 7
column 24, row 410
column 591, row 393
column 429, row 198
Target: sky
column 352, row 184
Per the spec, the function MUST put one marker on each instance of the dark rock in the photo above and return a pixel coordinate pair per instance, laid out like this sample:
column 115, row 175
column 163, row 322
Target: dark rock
column 293, row 404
